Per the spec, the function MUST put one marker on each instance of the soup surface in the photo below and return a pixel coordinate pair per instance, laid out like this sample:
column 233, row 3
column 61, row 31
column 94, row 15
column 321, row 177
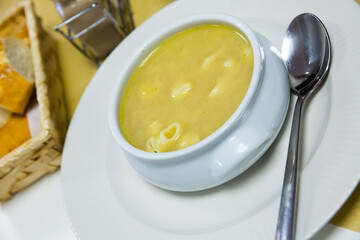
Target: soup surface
column 186, row 88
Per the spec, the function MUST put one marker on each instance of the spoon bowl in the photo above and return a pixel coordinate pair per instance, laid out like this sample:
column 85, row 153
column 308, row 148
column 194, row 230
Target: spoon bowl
column 306, row 52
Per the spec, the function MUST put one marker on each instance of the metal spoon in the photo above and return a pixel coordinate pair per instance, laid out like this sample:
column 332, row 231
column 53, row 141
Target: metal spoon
column 306, row 53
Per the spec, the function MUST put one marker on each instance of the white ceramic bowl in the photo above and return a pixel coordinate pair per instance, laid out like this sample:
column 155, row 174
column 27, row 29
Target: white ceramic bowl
column 236, row 145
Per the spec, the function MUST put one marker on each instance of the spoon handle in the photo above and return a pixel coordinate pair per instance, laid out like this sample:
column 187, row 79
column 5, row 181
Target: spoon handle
column 287, row 213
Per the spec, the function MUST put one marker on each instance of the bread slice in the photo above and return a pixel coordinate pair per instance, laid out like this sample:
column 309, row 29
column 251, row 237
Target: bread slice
column 18, row 55
column 4, row 116
column 14, row 133
column 16, row 74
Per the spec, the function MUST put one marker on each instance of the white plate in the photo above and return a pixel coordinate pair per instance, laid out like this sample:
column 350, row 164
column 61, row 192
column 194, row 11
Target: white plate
column 106, row 199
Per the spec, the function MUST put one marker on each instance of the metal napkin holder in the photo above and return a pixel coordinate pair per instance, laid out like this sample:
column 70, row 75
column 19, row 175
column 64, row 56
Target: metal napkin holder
column 124, row 25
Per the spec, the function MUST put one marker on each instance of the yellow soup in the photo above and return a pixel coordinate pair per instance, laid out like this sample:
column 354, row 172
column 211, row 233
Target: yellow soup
column 186, row 88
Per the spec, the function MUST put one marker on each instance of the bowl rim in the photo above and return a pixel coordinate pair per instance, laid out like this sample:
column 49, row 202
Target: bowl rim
column 147, row 46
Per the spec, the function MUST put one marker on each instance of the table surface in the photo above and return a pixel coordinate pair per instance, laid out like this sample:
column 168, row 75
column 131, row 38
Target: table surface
column 77, row 71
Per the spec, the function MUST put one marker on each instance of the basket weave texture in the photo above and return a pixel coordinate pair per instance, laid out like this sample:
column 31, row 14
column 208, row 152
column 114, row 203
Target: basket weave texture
column 42, row 153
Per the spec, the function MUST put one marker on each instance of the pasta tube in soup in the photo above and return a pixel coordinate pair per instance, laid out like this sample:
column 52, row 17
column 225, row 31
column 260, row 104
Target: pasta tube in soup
column 186, row 88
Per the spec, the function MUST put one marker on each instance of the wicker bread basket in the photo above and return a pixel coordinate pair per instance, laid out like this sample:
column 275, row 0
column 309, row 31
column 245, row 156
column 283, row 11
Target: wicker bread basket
column 42, row 153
